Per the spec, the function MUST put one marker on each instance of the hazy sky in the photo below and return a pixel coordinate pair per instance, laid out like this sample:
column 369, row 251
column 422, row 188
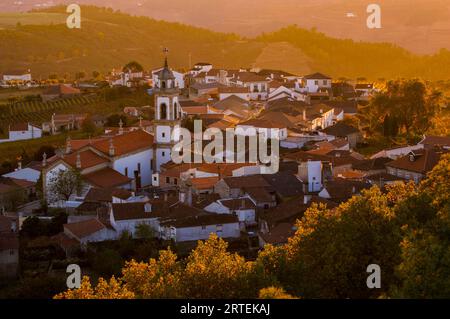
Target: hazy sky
column 422, row 26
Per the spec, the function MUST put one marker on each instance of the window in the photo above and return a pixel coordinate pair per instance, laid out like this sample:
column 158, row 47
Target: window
column 163, row 135
column 155, row 178
column 325, row 82
column 203, row 227
column 168, row 180
column 163, row 111
column 163, row 154
column 316, row 82
column 219, row 228
column 175, row 181
column 11, row 252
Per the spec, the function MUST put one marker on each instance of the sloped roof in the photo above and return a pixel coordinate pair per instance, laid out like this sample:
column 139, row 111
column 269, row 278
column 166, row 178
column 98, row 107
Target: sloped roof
column 126, row 143
column 419, row 161
column 130, row 211
column 340, row 129
column 85, row 228
column 107, row 178
column 317, row 76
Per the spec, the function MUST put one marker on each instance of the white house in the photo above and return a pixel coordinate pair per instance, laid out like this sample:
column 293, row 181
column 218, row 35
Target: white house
column 310, row 172
column 200, row 67
column 258, row 85
column 24, row 131
column 126, row 217
column 200, row 227
column 313, row 82
column 19, row 76
column 89, row 231
column 244, row 208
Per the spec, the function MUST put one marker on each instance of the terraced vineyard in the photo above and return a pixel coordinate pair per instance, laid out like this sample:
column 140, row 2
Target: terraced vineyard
column 38, row 112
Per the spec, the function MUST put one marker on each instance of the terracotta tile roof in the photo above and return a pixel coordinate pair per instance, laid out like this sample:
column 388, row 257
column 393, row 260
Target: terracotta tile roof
column 246, row 181
column 342, row 189
column 85, row 228
column 293, row 209
column 65, row 241
column 340, row 130
column 200, row 219
column 263, row 123
column 372, row 164
column 126, row 143
column 436, row 140
column 87, row 158
column 279, row 234
column 250, row 77
column 234, row 89
column 130, row 211
column 18, row 127
column 204, row 183
column 385, row 177
column 317, row 76
column 238, row 203
column 190, row 110
column 285, row 184
column 419, row 161
column 232, row 101
column 107, row 178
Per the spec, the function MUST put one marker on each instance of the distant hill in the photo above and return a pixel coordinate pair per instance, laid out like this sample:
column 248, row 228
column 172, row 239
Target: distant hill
column 110, row 39
column 421, row 26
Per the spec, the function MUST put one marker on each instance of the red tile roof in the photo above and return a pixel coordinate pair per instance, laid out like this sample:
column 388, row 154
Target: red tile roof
column 85, row 228
column 107, row 178
column 419, row 161
column 87, row 158
column 126, row 143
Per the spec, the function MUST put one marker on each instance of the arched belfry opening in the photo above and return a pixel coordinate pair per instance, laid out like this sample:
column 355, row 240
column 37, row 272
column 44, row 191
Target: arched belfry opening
column 163, row 114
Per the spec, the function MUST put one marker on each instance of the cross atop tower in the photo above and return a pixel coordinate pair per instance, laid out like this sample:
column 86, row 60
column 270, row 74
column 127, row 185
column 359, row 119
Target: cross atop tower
column 166, row 52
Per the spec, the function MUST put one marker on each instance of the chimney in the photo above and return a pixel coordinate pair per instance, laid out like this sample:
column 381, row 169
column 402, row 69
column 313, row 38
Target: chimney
column 189, row 194
column 19, row 163
column 304, row 114
column 306, row 199
column 182, row 197
column 68, row 145
column 120, row 127
column 78, row 163
column 44, row 159
column 112, row 150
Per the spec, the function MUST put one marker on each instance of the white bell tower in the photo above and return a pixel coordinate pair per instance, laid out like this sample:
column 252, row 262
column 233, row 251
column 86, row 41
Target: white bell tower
column 167, row 115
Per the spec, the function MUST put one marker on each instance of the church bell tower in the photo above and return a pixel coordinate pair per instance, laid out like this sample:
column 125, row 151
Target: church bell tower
column 167, row 114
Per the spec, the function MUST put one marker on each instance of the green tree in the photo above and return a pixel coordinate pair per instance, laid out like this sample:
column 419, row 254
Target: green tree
column 65, row 183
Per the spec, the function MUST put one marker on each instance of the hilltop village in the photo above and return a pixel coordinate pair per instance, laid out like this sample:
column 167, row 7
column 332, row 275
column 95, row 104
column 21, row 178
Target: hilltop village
column 119, row 181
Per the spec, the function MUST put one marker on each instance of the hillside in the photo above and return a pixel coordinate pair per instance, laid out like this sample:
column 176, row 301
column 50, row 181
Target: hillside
column 420, row 26
column 110, row 39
